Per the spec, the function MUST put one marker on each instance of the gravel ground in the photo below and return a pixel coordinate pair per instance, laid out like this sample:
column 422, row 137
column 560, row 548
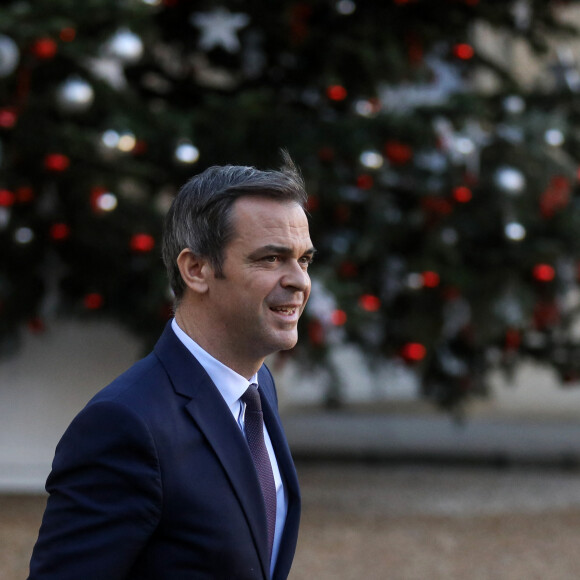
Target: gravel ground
column 402, row 523
column 418, row 523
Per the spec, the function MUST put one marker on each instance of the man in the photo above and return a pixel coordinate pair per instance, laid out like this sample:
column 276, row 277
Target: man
column 155, row 479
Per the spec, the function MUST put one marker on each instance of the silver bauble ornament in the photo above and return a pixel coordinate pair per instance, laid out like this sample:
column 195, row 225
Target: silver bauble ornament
column 510, row 180
column 124, row 45
column 515, row 231
column 75, row 95
column 554, row 137
column 514, row 104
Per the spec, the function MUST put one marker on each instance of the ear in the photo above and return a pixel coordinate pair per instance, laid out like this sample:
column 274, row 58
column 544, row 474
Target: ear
column 194, row 271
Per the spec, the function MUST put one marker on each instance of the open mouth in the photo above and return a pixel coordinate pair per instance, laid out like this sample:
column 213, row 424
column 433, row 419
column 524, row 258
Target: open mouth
column 286, row 310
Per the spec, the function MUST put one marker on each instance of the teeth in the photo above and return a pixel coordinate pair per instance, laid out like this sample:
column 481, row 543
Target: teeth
column 285, row 310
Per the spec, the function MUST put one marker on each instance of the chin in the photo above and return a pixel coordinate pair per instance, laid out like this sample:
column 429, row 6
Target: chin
column 286, row 343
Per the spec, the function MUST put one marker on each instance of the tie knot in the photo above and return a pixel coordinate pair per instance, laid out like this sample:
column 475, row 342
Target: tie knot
column 252, row 398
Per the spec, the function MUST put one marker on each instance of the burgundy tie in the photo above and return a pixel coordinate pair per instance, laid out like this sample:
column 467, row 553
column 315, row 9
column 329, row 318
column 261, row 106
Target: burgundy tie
column 254, row 427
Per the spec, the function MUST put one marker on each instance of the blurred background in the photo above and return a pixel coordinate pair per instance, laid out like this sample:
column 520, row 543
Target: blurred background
column 433, row 401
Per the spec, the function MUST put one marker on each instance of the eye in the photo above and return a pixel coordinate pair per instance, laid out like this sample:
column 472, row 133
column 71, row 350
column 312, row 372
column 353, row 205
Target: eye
column 271, row 259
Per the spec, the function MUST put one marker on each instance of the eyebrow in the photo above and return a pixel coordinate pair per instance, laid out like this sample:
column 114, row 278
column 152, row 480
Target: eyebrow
column 283, row 250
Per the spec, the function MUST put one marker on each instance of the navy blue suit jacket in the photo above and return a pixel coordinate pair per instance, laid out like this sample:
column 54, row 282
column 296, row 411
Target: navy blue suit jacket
column 154, row 480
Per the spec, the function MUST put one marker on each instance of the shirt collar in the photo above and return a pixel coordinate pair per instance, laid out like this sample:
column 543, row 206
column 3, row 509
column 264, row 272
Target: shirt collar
column 230, row 384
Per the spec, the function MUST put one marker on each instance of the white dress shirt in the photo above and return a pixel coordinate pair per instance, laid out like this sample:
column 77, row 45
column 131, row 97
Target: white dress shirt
column 232, row 386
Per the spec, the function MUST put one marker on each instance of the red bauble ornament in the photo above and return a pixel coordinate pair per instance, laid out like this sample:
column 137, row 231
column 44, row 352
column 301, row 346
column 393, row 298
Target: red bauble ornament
column 6, row 198
column 336, row 93
column 413, row 352
column 398, row 153
column 59, row 231
column 338, row 317
column 341, row 213
column 67, row 34
column 8, row 118
column 24, row 194
column 140, row 147
column 556, row 196
column 430, row 279
column 513, row 339
column 348, row 270
column 44, row 48
column 316, row 332
column 365, row 181
column 463, row 51
column 415, row 53
column 56, row 162
column 326, row 154
column 437, row 205
column 451, row 293
column 546, row 314
column 414, row 48
column 36, row 325
column 462, row 194
column 369, row 302
column 142, row 243
column 544, row 272
column 93, row 301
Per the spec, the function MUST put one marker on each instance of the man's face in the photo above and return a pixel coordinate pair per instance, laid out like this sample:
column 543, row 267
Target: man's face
column 265, row 286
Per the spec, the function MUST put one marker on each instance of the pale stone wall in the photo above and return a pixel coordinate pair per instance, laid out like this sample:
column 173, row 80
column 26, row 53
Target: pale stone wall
column 57, row 372
column 45, row 385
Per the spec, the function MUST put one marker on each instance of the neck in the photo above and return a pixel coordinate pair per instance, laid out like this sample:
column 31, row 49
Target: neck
column 190, row 321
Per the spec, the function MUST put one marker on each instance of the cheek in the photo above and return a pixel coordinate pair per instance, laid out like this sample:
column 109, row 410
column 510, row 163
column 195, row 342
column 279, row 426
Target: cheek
column 264, row 285
column 307, row 288
column 254, row 295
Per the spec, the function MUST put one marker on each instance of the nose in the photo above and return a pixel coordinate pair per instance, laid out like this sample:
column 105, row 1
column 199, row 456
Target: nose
column 296, row 277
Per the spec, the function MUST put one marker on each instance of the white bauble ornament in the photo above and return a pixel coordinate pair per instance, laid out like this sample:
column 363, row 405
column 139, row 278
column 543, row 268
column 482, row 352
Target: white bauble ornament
column 510, row 180
column 514, row 104
column 345, row 7
column 554, row 137
column 75, row 95
column 23, row 235
column 371, row 159
column 515, row 231
column 186, row 152
column 124, row 45
column 9, row 56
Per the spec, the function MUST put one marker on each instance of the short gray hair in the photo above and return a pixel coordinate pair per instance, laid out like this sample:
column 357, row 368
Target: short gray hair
column 200, row 217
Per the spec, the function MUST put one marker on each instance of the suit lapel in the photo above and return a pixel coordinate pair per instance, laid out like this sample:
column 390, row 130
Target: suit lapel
column 280, row 445
column 288, row 472
column 213, row 417
column 215, row 420
column 276, row 432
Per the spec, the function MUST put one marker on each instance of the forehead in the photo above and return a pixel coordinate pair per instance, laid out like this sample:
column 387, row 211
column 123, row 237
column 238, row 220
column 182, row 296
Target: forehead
column 263, row 217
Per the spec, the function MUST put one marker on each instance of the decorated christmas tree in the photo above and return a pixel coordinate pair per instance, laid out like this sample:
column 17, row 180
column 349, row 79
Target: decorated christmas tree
column 444, row 187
